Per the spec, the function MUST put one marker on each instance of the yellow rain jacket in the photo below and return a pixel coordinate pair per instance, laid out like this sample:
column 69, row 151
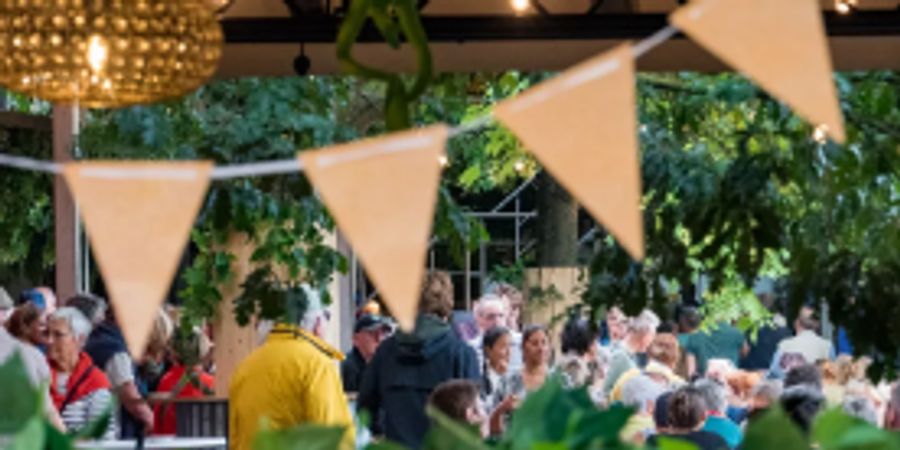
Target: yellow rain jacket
column 291, row 380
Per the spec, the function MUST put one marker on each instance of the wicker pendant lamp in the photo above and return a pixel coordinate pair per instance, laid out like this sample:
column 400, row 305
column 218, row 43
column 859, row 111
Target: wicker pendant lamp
column 107, row 53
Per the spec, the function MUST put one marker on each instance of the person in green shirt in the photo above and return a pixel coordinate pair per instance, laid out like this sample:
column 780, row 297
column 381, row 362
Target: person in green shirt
column 721, row 341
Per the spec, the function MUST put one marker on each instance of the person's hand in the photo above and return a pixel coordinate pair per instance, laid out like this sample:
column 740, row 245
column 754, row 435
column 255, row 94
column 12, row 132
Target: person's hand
column 144, row 415
column 508, row 404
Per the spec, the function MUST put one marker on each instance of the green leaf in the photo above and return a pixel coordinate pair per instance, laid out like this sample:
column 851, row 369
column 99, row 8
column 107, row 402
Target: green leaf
column 21, row 402
column 55, row 439
column 774, row 430
column 304, row 437
column 830, row 426
column 665, row 443
column 445, row 434
column 385, row 445
column 32, row 437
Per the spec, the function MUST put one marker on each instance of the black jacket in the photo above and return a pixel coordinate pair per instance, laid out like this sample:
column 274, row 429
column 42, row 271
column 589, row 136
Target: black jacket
column 352, row 370
column 404, row 371
column 763, row 349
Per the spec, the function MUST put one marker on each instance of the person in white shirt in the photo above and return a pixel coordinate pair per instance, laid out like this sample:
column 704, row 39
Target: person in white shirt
column 807, row 342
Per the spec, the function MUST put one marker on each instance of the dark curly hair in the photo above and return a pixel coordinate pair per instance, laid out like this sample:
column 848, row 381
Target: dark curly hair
column 577, row 336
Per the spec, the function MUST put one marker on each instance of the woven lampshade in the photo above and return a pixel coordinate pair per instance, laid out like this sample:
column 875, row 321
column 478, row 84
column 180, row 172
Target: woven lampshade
column 107, row 53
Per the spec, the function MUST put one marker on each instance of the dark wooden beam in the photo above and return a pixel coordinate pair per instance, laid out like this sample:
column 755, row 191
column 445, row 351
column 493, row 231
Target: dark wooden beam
column 22, row 121
column 323, row 29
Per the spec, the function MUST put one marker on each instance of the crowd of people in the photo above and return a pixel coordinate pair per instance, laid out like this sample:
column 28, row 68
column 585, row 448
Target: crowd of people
column 76, row 348
column 683, row 378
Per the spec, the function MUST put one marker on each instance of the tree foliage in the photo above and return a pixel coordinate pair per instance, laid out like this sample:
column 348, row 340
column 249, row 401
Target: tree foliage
column 736, row 186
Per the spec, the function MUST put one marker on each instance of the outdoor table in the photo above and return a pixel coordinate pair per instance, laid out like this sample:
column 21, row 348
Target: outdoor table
column 157, row 442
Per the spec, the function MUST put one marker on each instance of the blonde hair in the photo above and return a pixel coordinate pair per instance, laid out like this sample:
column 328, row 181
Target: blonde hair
column 158, row 342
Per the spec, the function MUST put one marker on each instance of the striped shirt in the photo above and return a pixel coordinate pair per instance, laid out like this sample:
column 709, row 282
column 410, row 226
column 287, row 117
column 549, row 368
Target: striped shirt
column 89, row 408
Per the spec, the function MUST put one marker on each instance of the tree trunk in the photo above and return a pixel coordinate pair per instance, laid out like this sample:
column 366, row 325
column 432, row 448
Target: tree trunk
column 557, row 224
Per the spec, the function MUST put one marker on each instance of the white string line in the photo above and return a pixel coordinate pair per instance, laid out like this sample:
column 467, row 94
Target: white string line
column 294, row 165
column 21, row 162
column 654, row 40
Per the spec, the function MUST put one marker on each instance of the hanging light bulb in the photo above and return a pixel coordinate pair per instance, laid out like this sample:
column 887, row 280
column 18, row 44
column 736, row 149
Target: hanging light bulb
column 820, row 134
column 520, row 5
column 844, row 6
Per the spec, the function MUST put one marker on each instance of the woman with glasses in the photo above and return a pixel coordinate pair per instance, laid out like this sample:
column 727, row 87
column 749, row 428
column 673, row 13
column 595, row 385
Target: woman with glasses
column 80, row 391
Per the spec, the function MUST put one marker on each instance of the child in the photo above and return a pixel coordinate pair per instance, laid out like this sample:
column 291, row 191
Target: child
column 459, row 400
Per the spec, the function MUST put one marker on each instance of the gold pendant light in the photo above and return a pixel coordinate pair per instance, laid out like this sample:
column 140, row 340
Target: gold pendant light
column 107, row 53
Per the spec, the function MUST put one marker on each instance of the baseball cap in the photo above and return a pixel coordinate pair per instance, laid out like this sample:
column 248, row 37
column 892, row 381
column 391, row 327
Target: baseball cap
column 368, row 322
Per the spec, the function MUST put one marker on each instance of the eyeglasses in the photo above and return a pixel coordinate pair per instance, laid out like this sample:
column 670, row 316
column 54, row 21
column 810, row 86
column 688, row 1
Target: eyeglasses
column 57, row 335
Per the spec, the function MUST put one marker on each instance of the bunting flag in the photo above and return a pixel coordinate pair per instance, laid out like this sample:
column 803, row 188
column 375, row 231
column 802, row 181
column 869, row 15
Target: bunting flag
column 581, row 126
column 382, row 194
column 780, row 44
column 138, row 217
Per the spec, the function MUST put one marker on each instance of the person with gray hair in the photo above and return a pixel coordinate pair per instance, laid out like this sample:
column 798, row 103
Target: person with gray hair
column 80, row 391
column 640, row 333
column 640, row 392
column 715, row 397
column 861, row 408
column 291, row 380
column 765, row 394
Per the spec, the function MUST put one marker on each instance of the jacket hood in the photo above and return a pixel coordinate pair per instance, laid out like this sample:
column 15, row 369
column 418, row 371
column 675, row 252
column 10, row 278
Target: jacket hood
column 430, row 337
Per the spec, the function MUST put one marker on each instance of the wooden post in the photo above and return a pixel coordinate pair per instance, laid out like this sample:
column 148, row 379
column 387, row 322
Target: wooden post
column 233, row 342
column 559, row 289
column 65, row 211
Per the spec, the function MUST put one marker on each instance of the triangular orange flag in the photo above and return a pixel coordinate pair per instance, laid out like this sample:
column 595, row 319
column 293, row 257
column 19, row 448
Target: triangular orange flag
column 780, row 44
column 138, row 217
column 581, row 126
column 382, row 194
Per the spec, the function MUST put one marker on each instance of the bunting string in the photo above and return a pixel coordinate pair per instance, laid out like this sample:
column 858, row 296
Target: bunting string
column 291, row 165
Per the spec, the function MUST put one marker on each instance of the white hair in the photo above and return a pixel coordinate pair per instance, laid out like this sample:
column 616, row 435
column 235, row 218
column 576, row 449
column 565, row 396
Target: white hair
column 861, row 408
column 646, row 322
column 489, row 300
column 714, row 395
column 78, row 324
column 640, row 390
column 768, row 389
column 314, row 309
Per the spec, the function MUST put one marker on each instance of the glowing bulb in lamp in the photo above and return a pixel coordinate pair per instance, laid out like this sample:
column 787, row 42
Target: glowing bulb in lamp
column 97, row 53
column 520, row 5
column 443, row 161
column 820, row 134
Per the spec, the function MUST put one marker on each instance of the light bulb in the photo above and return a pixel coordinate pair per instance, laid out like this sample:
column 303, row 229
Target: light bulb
column 520, row 5
column 842, row 6
column 443, row 161
column 519, row 166
column 820, row 134
column 97, row 53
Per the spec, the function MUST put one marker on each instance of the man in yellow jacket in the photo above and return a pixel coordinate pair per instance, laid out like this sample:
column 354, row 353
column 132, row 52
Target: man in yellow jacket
column 291, row 380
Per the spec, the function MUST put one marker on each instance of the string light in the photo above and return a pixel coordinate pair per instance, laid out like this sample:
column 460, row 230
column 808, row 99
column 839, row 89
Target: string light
column 520, row 5
column 519, row 166
column 820, row 134
column 443, row 161
column 845, row 6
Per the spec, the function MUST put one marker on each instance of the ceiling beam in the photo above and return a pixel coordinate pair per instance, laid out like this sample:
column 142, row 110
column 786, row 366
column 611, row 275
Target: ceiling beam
column 323, row 29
